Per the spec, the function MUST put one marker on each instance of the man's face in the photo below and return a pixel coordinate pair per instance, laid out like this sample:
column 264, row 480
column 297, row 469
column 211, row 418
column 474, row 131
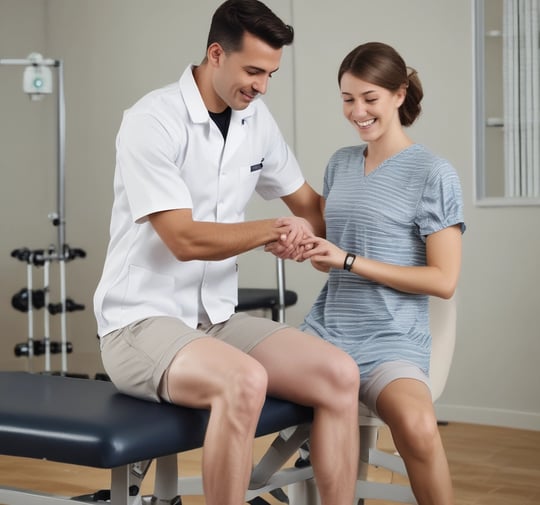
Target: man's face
column 242, row 75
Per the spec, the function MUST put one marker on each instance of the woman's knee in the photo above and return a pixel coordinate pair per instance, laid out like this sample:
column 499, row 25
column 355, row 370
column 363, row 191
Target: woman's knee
column 416, row 432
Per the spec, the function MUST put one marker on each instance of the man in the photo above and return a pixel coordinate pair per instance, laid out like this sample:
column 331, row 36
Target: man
column 189, row 156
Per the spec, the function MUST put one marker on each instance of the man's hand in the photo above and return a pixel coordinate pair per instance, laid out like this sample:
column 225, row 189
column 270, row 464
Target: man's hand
column 290, row 245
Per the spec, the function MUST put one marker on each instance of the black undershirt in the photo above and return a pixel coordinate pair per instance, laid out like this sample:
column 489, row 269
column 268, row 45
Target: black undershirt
column 222, row 120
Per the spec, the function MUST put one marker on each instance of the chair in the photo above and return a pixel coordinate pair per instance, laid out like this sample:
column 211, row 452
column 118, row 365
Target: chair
column 274, row 299
column 442, row 315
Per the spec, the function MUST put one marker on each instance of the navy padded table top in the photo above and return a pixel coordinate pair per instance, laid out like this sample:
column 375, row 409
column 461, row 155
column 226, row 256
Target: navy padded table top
column 88, row 422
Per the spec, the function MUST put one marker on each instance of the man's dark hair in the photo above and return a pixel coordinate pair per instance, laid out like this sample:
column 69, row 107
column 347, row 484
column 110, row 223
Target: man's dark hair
column 235, row 17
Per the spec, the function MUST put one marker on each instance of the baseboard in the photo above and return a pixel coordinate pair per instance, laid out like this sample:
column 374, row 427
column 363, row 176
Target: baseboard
column 491, row 417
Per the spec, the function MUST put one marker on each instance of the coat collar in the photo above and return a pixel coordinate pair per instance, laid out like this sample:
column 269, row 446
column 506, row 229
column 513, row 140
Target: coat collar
column 195, row 105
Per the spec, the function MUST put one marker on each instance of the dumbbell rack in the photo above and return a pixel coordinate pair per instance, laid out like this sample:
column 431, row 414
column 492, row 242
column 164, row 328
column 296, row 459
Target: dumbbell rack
column 29, row 299
column 60, row 253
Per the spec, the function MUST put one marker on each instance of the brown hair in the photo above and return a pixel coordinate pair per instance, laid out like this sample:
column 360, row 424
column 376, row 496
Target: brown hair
column 380, row 64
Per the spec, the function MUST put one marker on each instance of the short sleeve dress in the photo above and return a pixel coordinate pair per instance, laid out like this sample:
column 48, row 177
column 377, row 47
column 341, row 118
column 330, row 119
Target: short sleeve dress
column 386, row 216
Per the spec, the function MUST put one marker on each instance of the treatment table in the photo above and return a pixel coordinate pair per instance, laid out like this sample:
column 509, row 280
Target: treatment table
column 89, row 423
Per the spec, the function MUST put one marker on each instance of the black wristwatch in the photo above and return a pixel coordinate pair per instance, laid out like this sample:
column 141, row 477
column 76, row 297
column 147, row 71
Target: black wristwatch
column 349, row 260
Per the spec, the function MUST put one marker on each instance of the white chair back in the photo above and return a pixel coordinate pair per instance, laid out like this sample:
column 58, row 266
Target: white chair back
column 442, row 319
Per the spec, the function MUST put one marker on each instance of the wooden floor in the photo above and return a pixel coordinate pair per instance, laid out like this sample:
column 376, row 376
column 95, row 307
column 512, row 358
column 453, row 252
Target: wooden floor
column 489, row 465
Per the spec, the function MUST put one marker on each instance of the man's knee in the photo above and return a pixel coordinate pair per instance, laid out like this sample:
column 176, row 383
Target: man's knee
column 250, row 383
column 244, row 391
column 343, row 376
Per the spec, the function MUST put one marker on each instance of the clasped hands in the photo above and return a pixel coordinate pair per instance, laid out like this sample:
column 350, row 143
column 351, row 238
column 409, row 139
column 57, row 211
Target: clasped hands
column 298, row 242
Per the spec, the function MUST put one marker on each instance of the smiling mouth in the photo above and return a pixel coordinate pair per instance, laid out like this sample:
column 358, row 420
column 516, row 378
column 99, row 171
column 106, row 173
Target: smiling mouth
column 248, row 95
column 365, row 124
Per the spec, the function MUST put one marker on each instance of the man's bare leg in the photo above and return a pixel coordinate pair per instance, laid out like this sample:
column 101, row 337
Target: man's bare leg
column 309, row 371
column 208, row 373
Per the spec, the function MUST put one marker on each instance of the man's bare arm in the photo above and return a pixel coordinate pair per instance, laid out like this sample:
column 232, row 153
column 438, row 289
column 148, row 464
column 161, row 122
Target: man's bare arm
column 307, row 203
column 200, row 240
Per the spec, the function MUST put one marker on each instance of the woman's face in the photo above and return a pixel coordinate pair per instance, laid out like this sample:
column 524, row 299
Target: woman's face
column 371, row 109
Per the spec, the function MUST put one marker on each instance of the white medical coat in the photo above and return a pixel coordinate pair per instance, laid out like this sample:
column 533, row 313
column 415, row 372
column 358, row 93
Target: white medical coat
column 171, row 155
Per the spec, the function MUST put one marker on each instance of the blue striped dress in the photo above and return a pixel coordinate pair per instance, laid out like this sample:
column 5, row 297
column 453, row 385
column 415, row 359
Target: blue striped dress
column 385, row 216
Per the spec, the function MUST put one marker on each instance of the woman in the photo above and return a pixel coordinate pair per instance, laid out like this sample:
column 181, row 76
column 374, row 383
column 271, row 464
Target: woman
column 394, row 222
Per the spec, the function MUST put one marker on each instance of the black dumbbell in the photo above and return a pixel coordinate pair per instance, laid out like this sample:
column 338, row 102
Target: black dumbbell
column 22, row 254
column 38, row 257
column 71, row 306
column 23, row 349
column 19, row 300
column 55, row 347
column 72, row 253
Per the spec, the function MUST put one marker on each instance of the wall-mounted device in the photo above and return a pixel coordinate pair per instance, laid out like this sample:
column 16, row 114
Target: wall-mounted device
column 37, row 78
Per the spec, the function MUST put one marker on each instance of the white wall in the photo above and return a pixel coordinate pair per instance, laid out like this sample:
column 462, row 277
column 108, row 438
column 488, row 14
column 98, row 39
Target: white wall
column 115, row 51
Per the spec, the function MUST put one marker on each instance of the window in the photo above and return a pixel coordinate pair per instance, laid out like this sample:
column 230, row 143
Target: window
column 507, row 94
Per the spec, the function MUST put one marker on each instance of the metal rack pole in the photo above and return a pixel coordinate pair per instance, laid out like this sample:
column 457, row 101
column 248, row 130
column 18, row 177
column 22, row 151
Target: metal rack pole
column 58, row 218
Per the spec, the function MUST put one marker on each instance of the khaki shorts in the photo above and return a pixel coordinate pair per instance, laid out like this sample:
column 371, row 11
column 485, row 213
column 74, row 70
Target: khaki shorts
column 137, row 356
column 372, row 385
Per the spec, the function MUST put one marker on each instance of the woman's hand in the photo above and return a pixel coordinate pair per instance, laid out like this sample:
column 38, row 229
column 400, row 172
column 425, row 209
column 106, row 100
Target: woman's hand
column 323, row 254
